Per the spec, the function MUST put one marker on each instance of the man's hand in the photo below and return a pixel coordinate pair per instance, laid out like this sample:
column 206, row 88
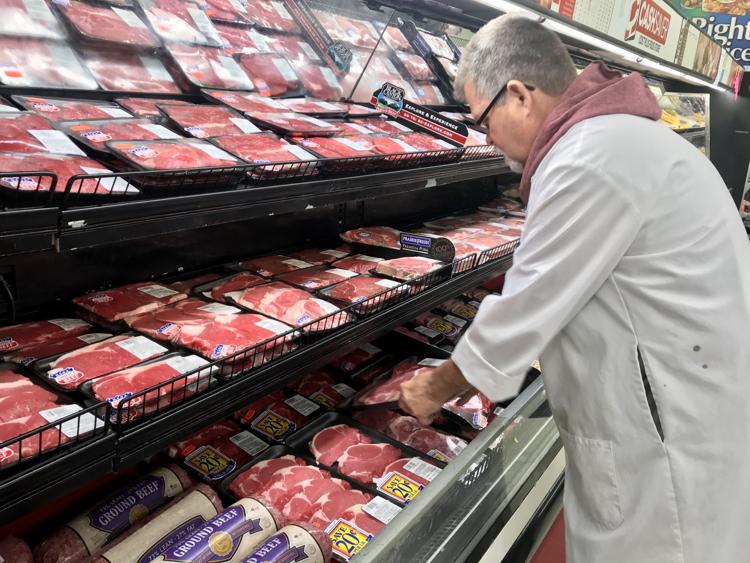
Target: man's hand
column 424, row 395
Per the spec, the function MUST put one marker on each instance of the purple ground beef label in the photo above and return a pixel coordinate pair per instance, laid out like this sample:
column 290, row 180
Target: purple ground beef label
column 277, row 548
column 174, row 537
column 132, row 504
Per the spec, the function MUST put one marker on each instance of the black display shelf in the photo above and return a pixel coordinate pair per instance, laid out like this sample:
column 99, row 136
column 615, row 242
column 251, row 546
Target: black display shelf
column 28, row 230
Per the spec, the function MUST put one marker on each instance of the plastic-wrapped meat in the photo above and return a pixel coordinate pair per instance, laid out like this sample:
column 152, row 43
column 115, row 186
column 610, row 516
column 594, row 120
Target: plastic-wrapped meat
column 50, row 348
column 329, row 444
column 416, row 66
column 384, row 126
column 109, row 24
column 26, row 131
column 128, row 300
column 247, row 102
column 296, row 50
column 408, row 267
column 146, row 107
column 17, row 337
column 165, row 324
column 292, row 306
column 172, row 154
column 362, row 288
column 357, row 110
column 264, row 149
column 62, row 166
column 272, row 265
column 207, row 67
column 96, row 133
column 129, row 72
column 377, row 419
column 287, row 482
column 237, row 282
column 272, row 15
column 320, row 256
column 250, row 481
column 226, row 11
column 362, row 520
column 299, row 506
column 320, row 81
column 316, row 278
column 338, row 147
column 475, row 408
column 425, row 142
column 331, row 506
column 352, row 361
column 41, row 64
column 434, row 443
column 180, row 22
column 503, row 204
column 204, row 121
column 429, row 95
column 365, row 462
column 396, row 40
column 271, row 74
column 438, row 44
column 282, row 418
column 374, row 236
column 247, row 413
column 349, row 129
column 236, row 40
column 379, row 70
column 360, row 263
column 294, row 124
column 326, row 394
column 357, row 32
column 29, row 19
column 311, row 106
column 32, row 446
column 390, row 390
column 70, row 110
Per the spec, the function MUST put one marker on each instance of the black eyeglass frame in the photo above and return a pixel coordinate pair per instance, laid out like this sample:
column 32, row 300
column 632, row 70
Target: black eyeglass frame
column 485, row 114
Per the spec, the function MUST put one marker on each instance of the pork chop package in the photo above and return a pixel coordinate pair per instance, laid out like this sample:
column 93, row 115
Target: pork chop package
column 316, row 278
column 122, row 71
column 20, row 336
column 49, row 348
column 282, row 418
column 294, row 124
column 180, row 22
column 357, row 358
column 172, row 154
column 108, row 24
column 322, row 388
column 38, row 63
column 28, row 132
column 147, row 107
column 240, row 40
column 56, row 109
column 320, row 256
column 385, row 237
column 271, row 74
column 272, row 265
column 299, row 541
column 408, row 267
column 102, row 522
column 29, row 19
column 320, row 81
column 128, row 300
column 94, row 134
column 209, row 67
column 247, row 414
column 246, row 102
column 227, row 11
column 204, row 121
column 360, row 263
column 358, row 290
column 272, row 15
column 338, row 147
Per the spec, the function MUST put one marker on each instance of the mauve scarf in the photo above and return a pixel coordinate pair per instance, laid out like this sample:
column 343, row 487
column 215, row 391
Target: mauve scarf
column 598, row 90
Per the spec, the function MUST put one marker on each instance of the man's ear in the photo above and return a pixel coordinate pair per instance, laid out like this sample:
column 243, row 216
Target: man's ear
column 519, row 94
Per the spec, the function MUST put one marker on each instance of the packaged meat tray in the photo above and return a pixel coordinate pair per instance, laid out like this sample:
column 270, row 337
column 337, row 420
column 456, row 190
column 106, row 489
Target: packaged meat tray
column 396, row 40
column 204, row 121
column 266, row 149
column 246, row 414
column 146, row 107
column 108, row 24
column 271, row 74
column 218, row 288
column 408, row 267
column 122, row 71
column 294, row 124
column 272, row 15
column 383, row 126
column 63, row 167
column 172, row 154
column 351, row 129
column 415, row 66
column 207, row 67
column 292, row 306
column 127, row 301
column 425, row 142
column 439, row 45
column 385, row 237
column 311, row 106
column 357, row 110
column 322, row 388
column 429, row 95
column 357, row 359
column 230, row 11
column 29, row 19
column 272, row 265
column 359, row 33
column 313, row 279
column 38, row 63
column 320, row 256
column 375, row 292
column 20, row 336
column 246, row 101
column 296, row 50
column 30, row 354
column 180, row 22
column 338, row 147
column 502, row 204
column 241, row 40
column 94, row 134
column 360, row 263
column 188, row 285
column 28, row 132
column 56, row 109
column 320, row 81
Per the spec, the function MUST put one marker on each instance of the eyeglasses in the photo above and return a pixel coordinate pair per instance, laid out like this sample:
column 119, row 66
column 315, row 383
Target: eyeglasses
column 486, row 113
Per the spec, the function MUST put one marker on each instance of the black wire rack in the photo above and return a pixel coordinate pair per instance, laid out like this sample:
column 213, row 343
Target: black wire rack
column 32, row 189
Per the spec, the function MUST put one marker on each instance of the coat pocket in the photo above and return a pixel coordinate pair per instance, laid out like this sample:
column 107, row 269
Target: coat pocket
column 591, row 487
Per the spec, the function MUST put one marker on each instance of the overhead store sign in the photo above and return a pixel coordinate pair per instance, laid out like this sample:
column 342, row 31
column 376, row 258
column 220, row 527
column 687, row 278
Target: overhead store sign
column 650, row 20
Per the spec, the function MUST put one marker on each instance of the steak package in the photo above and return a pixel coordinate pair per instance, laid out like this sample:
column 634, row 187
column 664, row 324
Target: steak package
column 20, row 336
column 240, row 40
column 429, row 95
column 30, row 354
column 396, row 40
column 320, row 256
column 128, row 300
column 272, row 265
column 246, row 101
column 207, row 67
column 29, row 19
column 28, row 132
column 234, row 12
column 313, row 279
column 272, row 15
column 203, row 121
column 95, row 134
column 172, row 154
column 415, row 65
column 425, row 142
column 220, row 287
column 146, row 107
column 107, row 23
column 349, row 129
column 123, row 71
column 56, row 109
column 320, row 81
column 338, row 147
column 357, row 110
column 360, row 263
column 271, row 74
column 384, row 126
column 438, row 45
column 263, row 148
column 408, row 267
column 38, row 63
column 361, row 288
column 295, row 49
column 294, row 124
column 279, row 419
column 385, row 237
column 180, row 22
column 311, row 106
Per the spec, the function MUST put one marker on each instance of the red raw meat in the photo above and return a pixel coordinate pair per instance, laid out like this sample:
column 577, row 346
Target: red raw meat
column 62, row 166
column 319, row 387
column 319, row 256
column 173, row 21
column 272, row 265
column 293, row 306
column 312, row 379
column 271, row 73
column 279, row 420
column 129, row 72
column 320, row 81
column 358, row 32
column 287, row 482
column 425, row 142
column 207, row 435
column 185, row 286
column 451, row 330
column 122, row 351
column 357, row 110
column 209, row 121
column 365, row 462
column 300, row 505
column 368, row 375
column 427, row 440
column 237, row 282
column 329, row 444
column 311, row 106
column 15, row 132
column 19, row 336
column 96, row 133
column 361, row 288
column 51, row 348
column 295, row 50
column 390, row 389
column 352, row 361
column 476, row 239
column 70, row 110
column 15, row 550
column 294, row 124
column 223, row 10
column 12, row 382
column 264, row 149
column 314, row 279
column 128, row 300
column 37, row 63
column 355, row 515
column 272, row 15
column 408, row 267
column 146, row 107
column 375, row 236
column 252, row 479
column 332, row 505
column 377, row 420
column 236, row 40
column 26, row 403
column 429, row 95
column 207, row 67
column 360, row 263
column 348, row 129
column 339, row 147
column 399, row 465
column 476, row 409
column 32, row 446
column 382, row 126
column 247, row 102
column 460, row 308
column 29, row 20
column 173, row 154
column 101, row 23
column 395, row 39
column 247, row 414
column 416, row 66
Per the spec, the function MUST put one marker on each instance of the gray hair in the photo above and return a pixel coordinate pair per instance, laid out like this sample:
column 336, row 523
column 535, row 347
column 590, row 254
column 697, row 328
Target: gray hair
column 514, row 47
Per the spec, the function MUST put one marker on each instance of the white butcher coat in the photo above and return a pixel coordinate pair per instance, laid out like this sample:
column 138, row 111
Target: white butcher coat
column 633, row 247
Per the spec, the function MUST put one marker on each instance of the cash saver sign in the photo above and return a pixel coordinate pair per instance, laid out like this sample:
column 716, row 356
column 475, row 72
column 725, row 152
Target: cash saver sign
column 649, row 24
column 346, row 539
column 390, row 100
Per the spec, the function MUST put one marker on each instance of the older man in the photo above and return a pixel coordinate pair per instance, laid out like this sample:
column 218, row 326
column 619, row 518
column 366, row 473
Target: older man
column 632, row 283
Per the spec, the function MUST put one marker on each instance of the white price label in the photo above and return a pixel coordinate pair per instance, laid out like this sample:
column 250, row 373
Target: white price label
column 114, row 185
column 327, row 307
column 302, row 405
column 296, row 263
column 159, row 130
column 158, row 291
column 431, row 362
column 260, row 41
column 381, row 509
column 299, row 152
column 358, row 145
column 428, row 332
column 286, row 70
column 203, row 23
column 344, row 390
column 328, row 106
column 184, row 364
column 329, row 77
column 239, row 6
column 455, row 320
column 308, row 50
column 404, row 145
column 234, row 72
column 141, row 347
column 56, row 141
column 367, row 258
column 155, row 69
column 94, row 337
column 387, row 283
column 75, row 427
column 422, row 469
column 8, row 109
column 346, row 274
column 361, row 128
column 248, row 442
column 244, row 125
column 114, row 112
column 281, row 10
column 219, row 309
column 38, row 10
column 276, row 327
column 69, row 324
column 398, row 125
column 334, row 253
column 215, row 152
column 129, row 18
column 370, row 349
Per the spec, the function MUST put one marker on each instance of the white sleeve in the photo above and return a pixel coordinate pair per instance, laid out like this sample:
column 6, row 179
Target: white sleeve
column 578, row 228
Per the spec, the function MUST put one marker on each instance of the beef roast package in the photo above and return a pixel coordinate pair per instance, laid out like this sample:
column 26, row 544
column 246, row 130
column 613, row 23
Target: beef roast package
column 204, row 121
column 172, row 154
column 208, row 67
column 147, row 107
column 28, row 132
column 294, row 124
column 38, row 63
column 180, row 22
column 56, row 109
column 123, row 71
column 108, row 24
column 94, row 134
column 246, row 102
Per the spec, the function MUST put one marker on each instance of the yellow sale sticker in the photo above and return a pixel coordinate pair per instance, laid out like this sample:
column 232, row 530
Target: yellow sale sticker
column 210, row 463
column 347, row 540
column 274, row 426
column 399, row 487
